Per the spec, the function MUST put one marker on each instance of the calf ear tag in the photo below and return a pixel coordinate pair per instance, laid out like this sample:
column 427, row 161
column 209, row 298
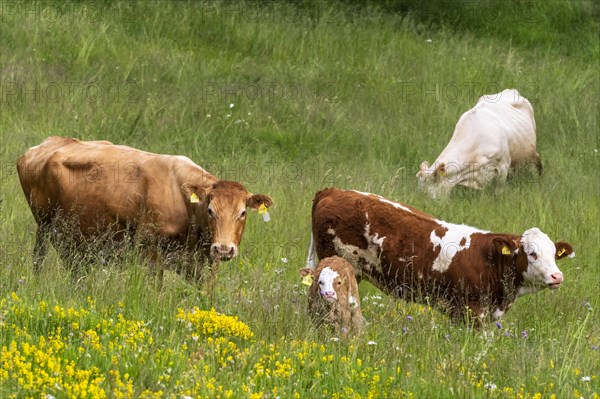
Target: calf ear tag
column 194, row 199
column 262, row 210
column 307, row 280
column 561, row 252
column 505, row 250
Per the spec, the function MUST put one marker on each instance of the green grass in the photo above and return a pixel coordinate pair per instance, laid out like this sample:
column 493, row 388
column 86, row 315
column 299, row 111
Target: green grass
column 324, row 94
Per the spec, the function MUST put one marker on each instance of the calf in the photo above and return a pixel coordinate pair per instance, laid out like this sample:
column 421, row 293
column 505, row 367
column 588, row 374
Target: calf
column 497, row 134
column 411, row 255
column 333, row 295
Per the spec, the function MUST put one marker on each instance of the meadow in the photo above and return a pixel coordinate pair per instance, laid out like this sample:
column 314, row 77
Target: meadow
column 289, row 99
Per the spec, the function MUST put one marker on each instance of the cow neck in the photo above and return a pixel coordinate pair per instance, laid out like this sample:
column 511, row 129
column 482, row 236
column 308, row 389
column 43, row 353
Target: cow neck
column 511, row 280
column 196, row 224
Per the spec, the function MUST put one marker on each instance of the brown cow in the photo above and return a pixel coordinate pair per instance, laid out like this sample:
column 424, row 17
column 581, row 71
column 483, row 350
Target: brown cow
column 409, row 254
column 168, row 203
column 333, row 295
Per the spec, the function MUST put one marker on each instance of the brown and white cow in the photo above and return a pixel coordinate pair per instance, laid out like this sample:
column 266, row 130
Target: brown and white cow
column 497, row 134
column 333, row 295
column 170, row 204
column 412, row 255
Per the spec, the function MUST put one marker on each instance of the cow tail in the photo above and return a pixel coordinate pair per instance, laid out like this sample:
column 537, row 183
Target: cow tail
column 312, row 253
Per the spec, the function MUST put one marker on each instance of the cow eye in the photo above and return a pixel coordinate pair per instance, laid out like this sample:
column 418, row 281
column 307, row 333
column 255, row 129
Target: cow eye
column 340, row 282
column 320, row 283
column 533, row 255
column 211, row 213
column 243, row 214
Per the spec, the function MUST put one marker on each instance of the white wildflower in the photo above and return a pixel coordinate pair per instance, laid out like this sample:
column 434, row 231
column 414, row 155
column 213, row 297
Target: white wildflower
column 490, row 385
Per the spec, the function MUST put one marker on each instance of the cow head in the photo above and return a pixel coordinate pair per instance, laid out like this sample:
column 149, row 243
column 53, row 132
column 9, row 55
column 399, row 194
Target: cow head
column 535, row 259
column 434, row 180
column 222, row 207
column 328, row 283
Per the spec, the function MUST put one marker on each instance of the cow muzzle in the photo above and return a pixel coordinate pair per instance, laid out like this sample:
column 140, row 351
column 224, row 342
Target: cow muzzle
column 223, row 251
column 329, row 296
column 556, row 280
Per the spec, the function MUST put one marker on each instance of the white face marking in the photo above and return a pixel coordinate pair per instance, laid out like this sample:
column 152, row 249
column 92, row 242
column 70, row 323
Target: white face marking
column 326, row 278
column 497, row 315
column 541, row 264
column 385, row 200
column 450, row 243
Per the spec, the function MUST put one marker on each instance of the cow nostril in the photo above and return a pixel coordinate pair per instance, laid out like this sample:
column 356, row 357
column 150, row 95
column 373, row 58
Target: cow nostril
column 557, row 277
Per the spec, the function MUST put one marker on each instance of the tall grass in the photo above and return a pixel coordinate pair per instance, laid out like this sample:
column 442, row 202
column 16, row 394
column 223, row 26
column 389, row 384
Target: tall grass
column 289, row 99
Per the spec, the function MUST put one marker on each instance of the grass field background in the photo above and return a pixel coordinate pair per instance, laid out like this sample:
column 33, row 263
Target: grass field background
column 289, row 99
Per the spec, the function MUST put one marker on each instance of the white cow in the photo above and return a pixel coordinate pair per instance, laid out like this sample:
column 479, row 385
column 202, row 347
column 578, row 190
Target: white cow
column 498, row 133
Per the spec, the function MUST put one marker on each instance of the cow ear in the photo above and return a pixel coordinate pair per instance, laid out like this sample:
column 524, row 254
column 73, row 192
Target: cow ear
column 305, row 272
column 256, row 200
column 307, row 276
column 505, row 246
column 192, row 192
column 440, row 171
column 564, row 250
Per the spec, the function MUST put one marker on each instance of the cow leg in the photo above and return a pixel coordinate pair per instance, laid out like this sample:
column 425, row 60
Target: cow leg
column 538, row 164
column 211, row 281
column 477, row 314
column 157, row 268
column 41, row 246
column 310, row 259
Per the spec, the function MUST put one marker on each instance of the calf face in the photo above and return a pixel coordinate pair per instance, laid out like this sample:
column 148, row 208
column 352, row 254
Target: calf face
column 333, row 295
column 222, row 209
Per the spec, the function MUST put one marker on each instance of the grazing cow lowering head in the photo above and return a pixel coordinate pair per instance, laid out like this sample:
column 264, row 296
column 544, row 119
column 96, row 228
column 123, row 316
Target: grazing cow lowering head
column 223, row 209
column 496, row 135
column 333, row 295
column 434, row 181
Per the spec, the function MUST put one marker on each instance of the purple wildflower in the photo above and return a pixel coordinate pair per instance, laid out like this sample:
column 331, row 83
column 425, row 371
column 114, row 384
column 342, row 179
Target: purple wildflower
column 409, row 318
column 524, row 334
column 595, row 347
column 404, row 330
column 499, row 325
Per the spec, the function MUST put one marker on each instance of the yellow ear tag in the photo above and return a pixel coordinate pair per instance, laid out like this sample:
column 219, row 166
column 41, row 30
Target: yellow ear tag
column 307, row 280
column 442, row 173
column 505, row 250
column 194, row 199
column 262, row 210
column 561, row 252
